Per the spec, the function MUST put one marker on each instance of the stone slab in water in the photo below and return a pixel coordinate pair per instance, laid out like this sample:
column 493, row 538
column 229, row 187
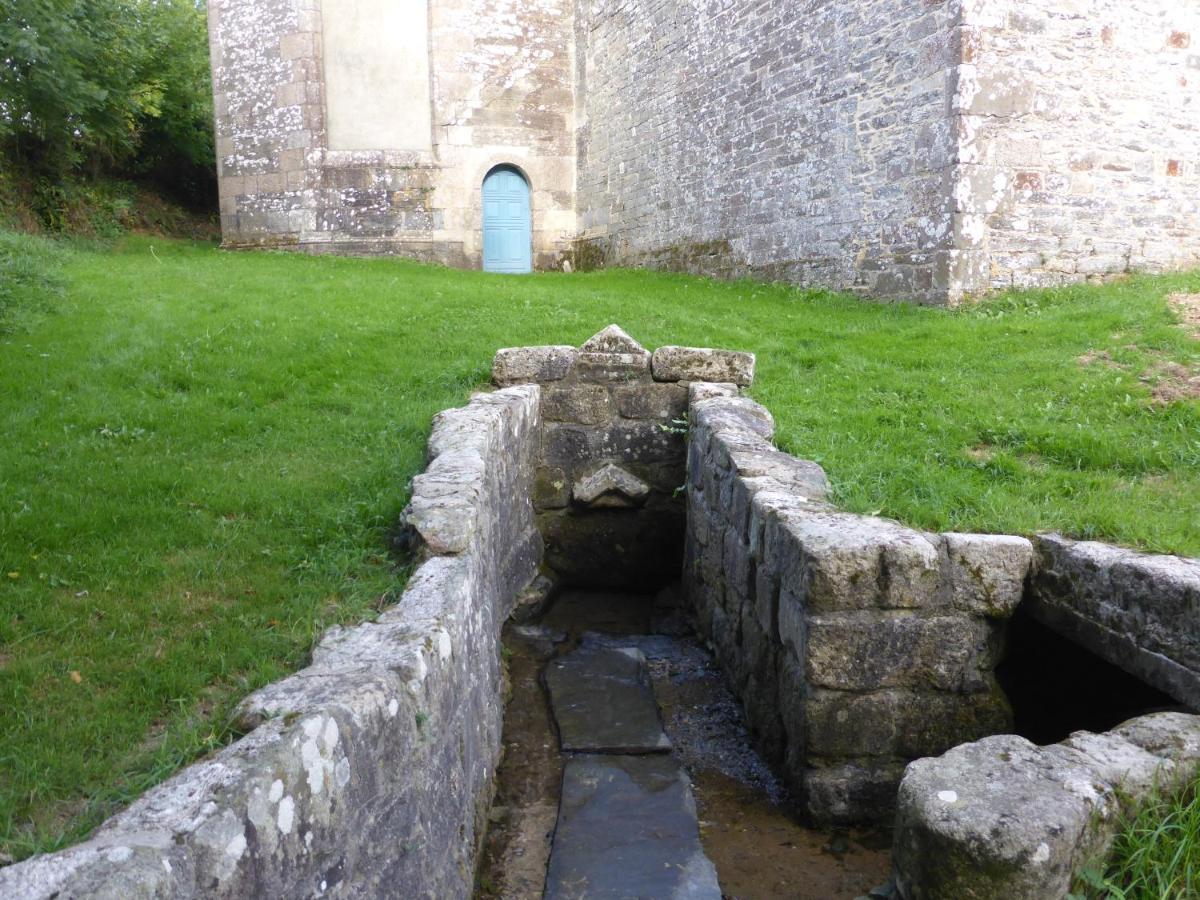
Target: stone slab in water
column 627, row 828
column 603, row 702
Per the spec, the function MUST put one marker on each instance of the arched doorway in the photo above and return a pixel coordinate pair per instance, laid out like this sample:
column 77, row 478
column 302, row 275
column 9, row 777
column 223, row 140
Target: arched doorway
column 507, row 222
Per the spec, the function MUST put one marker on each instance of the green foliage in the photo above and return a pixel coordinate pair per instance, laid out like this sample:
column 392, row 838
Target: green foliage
column 1156, row 855
column 114, row 85
column 29, row 275
column 204, row 452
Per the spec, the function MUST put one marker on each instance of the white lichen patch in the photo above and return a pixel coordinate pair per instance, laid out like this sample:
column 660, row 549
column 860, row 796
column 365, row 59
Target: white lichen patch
column 443, row 645
column 314, row 766
column 286, row 815
column 276, row 792
column 948, row 796
column 237, row 846
column 119, row 854
column 330, row 734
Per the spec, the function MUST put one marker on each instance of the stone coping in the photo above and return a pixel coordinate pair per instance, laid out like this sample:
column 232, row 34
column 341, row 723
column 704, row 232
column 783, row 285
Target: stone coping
column 520, row 365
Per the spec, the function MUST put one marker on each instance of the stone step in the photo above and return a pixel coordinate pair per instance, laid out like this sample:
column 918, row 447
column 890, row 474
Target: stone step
column 603, row 702
column 627, row 829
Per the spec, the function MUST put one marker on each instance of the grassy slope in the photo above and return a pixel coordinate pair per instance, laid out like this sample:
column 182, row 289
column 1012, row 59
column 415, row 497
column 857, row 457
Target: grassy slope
column 204, row 451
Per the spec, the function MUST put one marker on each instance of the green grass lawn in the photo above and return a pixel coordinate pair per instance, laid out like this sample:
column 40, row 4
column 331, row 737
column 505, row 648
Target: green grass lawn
column 203, row 453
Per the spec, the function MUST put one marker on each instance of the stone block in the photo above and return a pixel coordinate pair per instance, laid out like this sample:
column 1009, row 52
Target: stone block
column 843, row 562
column 986, row 573
column 612, row 339
column 565, row 446
column 704, row 390
column 656, row 850
column 551, row 488
column 854, row 652
column 909, row 724
column 640, row 442
column 850, row 792
column 667, row 402
column 786, row 472
column 703, row 364
column 516, row 365
column 734, row 416
column 1003, row 818
column 1170, row 736
column 603, row 702
column 1133, row 609
column 580, row 404
column 445, row 504
column 610, row 486
column 612, row 368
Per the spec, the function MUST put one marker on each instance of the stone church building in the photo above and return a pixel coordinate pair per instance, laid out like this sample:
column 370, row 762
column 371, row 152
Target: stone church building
column 925, row 149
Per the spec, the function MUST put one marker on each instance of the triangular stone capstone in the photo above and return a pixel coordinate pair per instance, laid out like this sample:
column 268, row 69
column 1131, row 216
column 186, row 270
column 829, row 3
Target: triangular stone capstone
column 612, row 339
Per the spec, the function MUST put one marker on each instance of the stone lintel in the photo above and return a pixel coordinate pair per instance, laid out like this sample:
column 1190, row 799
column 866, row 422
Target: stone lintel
column 703, row 364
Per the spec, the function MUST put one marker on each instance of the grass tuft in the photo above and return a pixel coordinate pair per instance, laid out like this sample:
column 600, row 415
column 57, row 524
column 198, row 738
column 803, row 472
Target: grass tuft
column 30, row 276
column 1156, row 855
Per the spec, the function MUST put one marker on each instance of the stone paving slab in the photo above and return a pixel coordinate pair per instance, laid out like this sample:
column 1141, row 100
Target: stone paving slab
column 603, row 702
column 627, row 829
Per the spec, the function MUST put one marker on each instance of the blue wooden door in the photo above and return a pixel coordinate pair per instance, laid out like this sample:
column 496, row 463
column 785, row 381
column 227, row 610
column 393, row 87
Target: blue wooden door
column 507, row 222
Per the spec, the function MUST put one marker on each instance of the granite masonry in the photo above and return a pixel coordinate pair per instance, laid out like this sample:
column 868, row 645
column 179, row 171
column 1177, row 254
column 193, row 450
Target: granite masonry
column 925, row 151
column 610, row 466
column 309, row 151
column 855, row 644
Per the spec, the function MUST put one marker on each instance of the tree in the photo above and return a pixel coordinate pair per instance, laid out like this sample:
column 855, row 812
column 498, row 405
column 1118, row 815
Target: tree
column 116, row 85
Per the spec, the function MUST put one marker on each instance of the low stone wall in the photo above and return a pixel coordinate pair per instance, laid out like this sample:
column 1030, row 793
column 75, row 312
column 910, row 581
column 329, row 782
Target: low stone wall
column 369, row 773
column 1002, row 818
column 611, row 458
column 1134, row 610
column 855, row 644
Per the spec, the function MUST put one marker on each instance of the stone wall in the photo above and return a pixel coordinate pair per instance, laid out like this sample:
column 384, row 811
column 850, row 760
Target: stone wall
column 855, row 644
column 501, row 92
column 369, row 773
column 1078, row 126
column 267, row 100
column 805, row 141
column 1003, row 818
column 1135, row 610
column 611, row 458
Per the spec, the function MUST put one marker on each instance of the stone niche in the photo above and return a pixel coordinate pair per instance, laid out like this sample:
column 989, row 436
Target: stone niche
column 611, row 462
